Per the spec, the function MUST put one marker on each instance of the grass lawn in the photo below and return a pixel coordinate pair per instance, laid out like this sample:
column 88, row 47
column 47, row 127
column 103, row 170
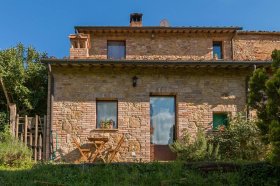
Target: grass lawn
column 175, row 173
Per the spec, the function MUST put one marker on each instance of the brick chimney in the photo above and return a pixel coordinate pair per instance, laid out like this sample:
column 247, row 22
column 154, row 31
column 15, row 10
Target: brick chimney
column 136, row 20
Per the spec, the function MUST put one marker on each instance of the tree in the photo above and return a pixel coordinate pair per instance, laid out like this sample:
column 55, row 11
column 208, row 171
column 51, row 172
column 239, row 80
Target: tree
column 25, row 78
column 264, row 96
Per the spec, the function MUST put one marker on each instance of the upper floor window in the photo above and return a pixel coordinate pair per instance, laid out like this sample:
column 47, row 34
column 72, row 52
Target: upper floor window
column 116, row 49
column 217, row 50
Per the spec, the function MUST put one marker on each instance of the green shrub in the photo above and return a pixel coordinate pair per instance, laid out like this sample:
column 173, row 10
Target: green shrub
column 241, row 140
column 259, row 174
column 197, row 150
column 3, row 120
column 13, row 153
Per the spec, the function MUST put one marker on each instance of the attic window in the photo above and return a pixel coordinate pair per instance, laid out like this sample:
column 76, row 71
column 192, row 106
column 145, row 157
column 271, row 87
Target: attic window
column 217, row 50
column 116, row 50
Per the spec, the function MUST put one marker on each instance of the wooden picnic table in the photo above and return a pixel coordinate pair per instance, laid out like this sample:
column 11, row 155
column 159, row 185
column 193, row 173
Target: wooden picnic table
column 98, row 150
column 99, row 145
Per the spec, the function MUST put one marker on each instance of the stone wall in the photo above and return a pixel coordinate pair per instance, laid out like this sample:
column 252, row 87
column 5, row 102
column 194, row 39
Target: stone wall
column 159, row 46
column 255, row 47
column 198, row 93
column 183, row 46
column 78, row 53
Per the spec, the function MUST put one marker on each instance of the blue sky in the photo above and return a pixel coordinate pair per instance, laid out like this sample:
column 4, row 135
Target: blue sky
column 46, row 24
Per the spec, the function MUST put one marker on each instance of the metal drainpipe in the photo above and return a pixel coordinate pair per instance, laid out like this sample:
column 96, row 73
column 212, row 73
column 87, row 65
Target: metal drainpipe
column 53, row 154
column 51, row 106
column 246, row 96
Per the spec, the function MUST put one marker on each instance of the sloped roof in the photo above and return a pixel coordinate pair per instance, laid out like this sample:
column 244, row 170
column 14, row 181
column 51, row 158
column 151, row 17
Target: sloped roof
column 162, row 29
column 190, row 29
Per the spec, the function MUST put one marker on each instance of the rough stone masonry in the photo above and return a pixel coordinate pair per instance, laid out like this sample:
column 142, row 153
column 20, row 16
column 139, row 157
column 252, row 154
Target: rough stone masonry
column 200, row 90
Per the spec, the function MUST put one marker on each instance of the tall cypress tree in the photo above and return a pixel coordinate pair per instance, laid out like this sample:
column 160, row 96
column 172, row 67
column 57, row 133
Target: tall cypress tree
column 264, row 96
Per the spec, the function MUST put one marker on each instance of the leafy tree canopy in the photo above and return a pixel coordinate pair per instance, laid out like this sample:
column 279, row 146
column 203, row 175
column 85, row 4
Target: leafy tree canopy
column 25, row 78
column 264, row 96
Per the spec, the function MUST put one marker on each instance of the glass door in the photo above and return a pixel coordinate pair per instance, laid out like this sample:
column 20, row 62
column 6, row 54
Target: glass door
column 162, row 119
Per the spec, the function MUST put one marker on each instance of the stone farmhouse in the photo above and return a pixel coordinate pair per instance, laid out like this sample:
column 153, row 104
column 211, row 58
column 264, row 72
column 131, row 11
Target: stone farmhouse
column 149, row 84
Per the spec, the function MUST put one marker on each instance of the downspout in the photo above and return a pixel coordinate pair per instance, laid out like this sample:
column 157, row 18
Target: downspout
column 50, row 111
column 246, row 96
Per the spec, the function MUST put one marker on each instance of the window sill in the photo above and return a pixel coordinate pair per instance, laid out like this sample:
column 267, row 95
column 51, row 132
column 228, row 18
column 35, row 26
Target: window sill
column 105, row 130
column 216, row 131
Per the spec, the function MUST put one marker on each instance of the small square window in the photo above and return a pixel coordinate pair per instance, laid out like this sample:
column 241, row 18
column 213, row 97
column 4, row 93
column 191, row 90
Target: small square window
column 116, row 50
column 220, row 119
column 107, row 114
column 217, row 50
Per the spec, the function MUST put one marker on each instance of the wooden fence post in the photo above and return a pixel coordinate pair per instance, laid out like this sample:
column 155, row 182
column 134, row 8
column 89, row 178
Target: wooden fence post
column 40, row 148
column 47, row 138
column 44, row 148
column 36, row 138
column 31, row 141
column 17, row 125
column 13, row 115
column 25, row 129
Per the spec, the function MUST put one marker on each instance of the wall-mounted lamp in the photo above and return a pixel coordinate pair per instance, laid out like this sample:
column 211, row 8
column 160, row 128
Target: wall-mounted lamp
column 134, row 81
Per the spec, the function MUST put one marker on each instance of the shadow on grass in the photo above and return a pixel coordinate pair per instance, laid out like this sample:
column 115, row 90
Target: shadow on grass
column 171, row 173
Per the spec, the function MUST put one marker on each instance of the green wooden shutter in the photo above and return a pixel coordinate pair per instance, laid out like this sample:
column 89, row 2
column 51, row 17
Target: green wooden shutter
column 219, row 119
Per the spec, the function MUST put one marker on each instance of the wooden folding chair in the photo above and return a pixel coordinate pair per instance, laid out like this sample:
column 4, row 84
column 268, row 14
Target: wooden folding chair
column 83, row 151
column 113, row 152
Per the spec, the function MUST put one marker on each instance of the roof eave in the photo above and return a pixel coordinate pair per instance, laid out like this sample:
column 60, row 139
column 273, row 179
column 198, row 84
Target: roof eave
column 154, row 28
column 258, row 32
column 213, row 63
